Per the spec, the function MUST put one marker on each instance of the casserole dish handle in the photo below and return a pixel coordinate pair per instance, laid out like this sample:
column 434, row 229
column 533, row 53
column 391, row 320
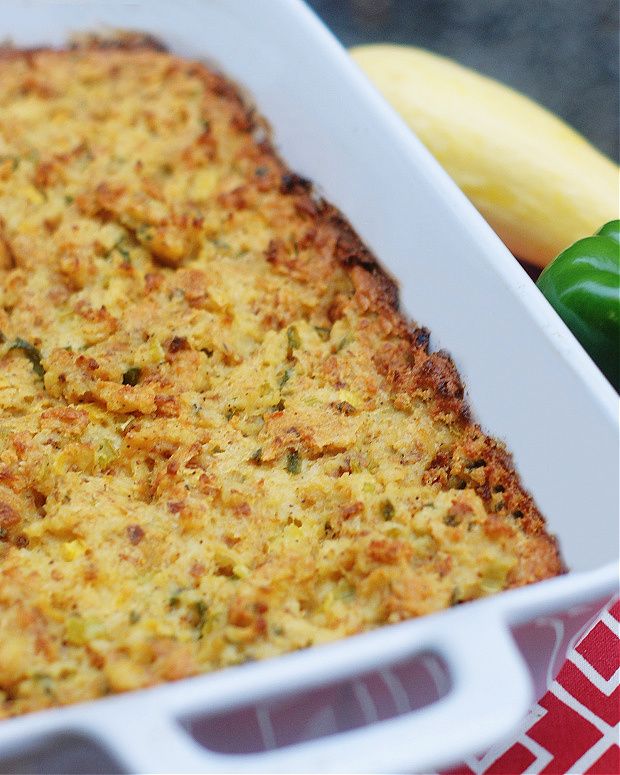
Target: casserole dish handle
column 490, row 693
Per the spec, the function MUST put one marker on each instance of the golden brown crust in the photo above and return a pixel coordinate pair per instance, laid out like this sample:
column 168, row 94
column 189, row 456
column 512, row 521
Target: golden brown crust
column 199, row 348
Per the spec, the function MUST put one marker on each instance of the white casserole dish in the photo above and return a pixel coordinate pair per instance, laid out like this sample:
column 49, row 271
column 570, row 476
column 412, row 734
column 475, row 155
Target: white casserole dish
column 528, row 380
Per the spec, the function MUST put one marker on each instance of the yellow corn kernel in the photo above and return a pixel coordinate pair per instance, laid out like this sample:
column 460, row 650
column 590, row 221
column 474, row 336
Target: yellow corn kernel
column 241, row 571
column 79, row 631
column 106, row 453
column 72, row 550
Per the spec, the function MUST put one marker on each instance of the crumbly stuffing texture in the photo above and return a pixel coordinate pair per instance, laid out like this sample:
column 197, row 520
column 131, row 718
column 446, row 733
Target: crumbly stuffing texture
column 219, row 440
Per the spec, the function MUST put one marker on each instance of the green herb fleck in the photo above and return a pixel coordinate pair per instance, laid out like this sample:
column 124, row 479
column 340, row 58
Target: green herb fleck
column 285, row 377
column 145, row 233
column 134, row 617
column 132, row 376
column 31, row 352
column 293, row 462
column 219, row 243
column 257, row 456
column 118, row 246
column 124, row 253
column 69, row 199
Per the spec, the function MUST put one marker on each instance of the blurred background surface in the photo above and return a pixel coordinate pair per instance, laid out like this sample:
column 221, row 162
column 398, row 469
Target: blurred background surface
column 563, row 53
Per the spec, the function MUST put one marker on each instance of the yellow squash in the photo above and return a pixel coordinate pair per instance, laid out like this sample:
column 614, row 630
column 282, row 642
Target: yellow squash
column 539, row 183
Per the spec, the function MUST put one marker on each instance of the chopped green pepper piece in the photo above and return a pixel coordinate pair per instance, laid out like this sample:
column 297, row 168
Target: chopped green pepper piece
column 200, row 610
column 323, row 333
column 31, row 352
column 387, row 509
column 292, row 335
column 344, row 342
column 132, row 376
column 293, row 462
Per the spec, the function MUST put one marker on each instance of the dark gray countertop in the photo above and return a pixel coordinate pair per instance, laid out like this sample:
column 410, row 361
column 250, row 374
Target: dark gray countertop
column 563, row 53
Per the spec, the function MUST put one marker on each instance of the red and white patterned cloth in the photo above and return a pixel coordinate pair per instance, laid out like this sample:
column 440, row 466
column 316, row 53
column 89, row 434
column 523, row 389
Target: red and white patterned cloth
column 574, row 728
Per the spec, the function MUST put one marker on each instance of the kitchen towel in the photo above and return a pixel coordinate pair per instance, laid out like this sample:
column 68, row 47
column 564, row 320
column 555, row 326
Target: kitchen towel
column 574, row 728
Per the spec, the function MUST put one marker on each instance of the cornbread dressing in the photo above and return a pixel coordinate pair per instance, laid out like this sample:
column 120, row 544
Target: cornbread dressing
column 219, row 439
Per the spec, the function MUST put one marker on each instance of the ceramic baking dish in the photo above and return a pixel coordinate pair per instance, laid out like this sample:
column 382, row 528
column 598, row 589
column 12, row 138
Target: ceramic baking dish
column 529, row 383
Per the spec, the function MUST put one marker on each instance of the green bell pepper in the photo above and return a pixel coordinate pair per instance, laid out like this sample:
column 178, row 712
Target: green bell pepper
column 583, row 285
